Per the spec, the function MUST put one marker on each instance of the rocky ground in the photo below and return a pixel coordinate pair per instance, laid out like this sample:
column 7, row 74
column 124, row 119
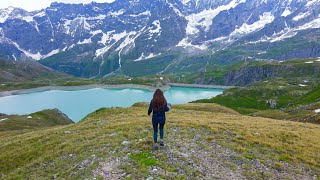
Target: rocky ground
column 187, row 155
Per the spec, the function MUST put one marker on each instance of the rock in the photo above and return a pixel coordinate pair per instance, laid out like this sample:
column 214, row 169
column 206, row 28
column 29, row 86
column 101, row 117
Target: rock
column 125, row 143
column 113, row 134
column 272, row 103
column 67, row 132
column 4, row 119
column 29, row 117
column 104, row 121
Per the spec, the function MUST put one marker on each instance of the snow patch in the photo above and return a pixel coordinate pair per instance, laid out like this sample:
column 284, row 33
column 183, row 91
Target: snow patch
column 146, row 13
column 116, row 38
column 118, row 13
column 27, row 18
column 312, row 2
column 301, row 16
column 175, row 9
column 85, row 24
column 143, row 57
column 185, row 42
column 309, row 62
column 96, row 32
column 5, row 14
column 157, row 29
column 204, row 18
column 127, row 41
column 40, row 14
column 53, row 52
column 290, row 32
column 185, row 2
column 314, row 24
column 219, row 39
column 265, row 18
column 37, row 56
column 286, row 12
column 100, row 17
column 85, row 41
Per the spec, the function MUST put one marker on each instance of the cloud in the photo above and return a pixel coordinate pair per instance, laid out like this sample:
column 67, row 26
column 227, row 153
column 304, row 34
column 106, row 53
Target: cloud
column 31, row 5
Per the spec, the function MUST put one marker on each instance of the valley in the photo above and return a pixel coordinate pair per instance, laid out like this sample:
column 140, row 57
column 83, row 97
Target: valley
column 243, row 78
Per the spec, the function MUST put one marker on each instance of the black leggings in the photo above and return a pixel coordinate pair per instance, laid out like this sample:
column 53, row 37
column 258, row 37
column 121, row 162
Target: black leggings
column 155, row 130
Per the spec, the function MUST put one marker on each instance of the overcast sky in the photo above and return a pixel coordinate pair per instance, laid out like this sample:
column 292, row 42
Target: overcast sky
column 31, row 5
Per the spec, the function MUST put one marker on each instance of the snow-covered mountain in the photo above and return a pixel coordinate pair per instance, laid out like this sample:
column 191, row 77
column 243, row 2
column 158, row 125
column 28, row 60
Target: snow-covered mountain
column 159, row 36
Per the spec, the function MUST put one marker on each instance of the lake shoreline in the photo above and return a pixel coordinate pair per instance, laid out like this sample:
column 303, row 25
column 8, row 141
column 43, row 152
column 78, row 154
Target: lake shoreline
column 107, row 86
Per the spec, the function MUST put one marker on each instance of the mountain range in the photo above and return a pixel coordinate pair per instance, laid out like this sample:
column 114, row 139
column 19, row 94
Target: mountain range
column 142, row 37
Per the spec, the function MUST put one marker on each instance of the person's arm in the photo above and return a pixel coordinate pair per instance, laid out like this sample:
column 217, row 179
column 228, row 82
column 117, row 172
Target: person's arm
column 150, row 109
column 166, row 109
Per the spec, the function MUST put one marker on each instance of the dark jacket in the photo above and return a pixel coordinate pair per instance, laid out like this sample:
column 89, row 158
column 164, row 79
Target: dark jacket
column 158, row 116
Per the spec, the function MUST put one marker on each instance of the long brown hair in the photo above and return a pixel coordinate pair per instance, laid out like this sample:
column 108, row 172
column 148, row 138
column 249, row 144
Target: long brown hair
column 158, row 101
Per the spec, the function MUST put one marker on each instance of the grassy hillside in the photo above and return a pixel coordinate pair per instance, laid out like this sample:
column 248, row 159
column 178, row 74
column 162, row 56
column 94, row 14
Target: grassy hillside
column 280, row 98
column 14, row 124
column 202, row 141
column 243, row 73
column 24, row 70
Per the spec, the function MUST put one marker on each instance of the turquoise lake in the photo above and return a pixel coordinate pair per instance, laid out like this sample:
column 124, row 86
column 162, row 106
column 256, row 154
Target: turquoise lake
column 79, row 103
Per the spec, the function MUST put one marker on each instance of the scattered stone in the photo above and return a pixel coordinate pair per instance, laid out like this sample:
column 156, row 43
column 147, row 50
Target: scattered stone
column 29, row 117
column 154, row 170
column 104, row 121
column 302, row 85
column 110, row 170
column 67, row 132
column 257, row 134
column 125, row 143
column 272, row 103
column 70, row 155
column 317, row 110
column 4, row 119
column 84, row 164
column 113, row 134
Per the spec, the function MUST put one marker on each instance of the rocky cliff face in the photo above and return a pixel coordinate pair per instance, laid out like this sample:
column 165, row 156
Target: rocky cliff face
column 101, row 39
column 250, row 74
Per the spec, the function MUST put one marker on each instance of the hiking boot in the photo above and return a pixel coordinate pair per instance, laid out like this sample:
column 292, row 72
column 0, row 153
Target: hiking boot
column 161, row 142
column 156, row 147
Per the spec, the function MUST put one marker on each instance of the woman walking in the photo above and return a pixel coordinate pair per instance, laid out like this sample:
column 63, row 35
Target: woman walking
column 159, row 107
